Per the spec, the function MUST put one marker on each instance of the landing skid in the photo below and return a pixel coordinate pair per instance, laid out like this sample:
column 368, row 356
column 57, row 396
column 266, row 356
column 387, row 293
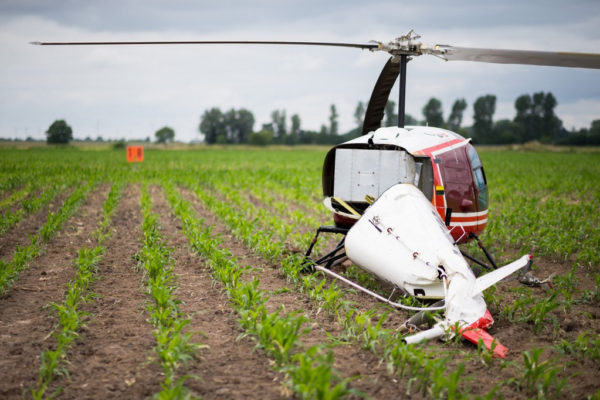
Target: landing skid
column 338, row 255
column 485, row 252
column 330, row 258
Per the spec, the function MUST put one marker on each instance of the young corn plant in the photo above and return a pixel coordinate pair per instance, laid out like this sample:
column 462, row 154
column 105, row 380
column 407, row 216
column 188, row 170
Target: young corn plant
column 174, row 346
column 29, row 206
column 540, row 378
column 312, row 373
column 70, row 317
column 9, row 271
column 540, row 312
column 587, row 345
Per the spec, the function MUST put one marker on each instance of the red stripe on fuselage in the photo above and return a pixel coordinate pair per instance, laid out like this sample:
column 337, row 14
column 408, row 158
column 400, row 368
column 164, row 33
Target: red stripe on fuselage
column 427, row 151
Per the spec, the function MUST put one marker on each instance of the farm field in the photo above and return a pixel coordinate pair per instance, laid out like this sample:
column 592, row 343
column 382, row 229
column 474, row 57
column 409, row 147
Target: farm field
column 180, row 276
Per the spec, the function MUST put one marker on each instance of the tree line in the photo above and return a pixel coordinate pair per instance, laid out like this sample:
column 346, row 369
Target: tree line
column 236, row 127
column 534, row 120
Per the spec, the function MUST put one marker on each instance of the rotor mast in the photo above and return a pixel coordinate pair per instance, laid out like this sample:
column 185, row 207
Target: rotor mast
column 402, row 90
column 402, row 49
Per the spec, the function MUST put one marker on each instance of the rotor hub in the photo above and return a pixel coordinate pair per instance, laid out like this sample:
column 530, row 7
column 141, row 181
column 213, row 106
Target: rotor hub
column 408, row 45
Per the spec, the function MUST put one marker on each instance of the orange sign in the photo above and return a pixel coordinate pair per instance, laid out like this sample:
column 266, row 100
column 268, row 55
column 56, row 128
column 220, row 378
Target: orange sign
column 135, row 153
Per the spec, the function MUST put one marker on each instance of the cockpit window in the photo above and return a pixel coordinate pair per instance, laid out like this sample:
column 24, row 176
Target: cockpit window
column 480, row 180
column 474, row 158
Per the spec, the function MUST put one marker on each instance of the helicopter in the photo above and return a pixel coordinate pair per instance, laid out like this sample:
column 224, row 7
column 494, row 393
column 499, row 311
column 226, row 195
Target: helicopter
column 403, row 198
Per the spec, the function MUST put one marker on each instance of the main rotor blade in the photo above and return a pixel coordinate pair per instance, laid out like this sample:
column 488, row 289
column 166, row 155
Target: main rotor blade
column 501, row 56
column 159, row 42
column 380, row 95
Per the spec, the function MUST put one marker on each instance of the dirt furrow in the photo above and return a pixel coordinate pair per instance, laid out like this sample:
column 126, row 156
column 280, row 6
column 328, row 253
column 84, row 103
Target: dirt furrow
column 25, row 323
column 316, row 207
column 112, row 358
column 18, row 235
column 350, row 359
column 229, row 368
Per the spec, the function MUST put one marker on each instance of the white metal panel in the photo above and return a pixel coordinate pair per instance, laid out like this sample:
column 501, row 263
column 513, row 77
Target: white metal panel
column 342, row 174
column 362, row 172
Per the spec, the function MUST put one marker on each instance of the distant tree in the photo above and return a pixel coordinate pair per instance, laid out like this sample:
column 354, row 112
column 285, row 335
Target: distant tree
column 456, row 115
column 583, row 136
column 523, row 121
column 410, row 120
column 296, row 122
column 432, row 111
column 594, row 133
column 164, row 135
column 278, row 117
column 99, row 139
column 59, row 133
column 322, row 137
column 308, row 137
column 238, row 125
column 212, row 125
column 535, row 118
column 262, row 138
column 268, row 127
column 551, row 125
column 295, row 130
column 504, row 132
column 333, row 121
column 391, row 117
column 359, row 115
column 483, row 115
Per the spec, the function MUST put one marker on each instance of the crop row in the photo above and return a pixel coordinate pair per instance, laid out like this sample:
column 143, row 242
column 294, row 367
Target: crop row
column 70, row 316
column 310, row 370
column 9, row 271
column 174, row 347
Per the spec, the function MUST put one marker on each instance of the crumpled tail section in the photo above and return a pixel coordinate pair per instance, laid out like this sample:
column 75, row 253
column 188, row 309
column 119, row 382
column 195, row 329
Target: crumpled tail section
column 476, row 331
column 474, row 334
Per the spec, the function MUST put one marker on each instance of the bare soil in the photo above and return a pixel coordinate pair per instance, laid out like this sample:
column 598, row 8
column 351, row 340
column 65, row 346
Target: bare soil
column 18, row 235
column 230, row 367
column 113, row 358
column 25, row 320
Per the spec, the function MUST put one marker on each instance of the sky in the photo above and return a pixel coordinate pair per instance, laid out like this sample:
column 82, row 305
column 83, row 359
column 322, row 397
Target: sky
column 131, row 92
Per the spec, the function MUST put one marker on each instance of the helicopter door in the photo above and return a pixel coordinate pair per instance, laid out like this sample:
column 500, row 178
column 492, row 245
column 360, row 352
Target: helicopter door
column 457, row 177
